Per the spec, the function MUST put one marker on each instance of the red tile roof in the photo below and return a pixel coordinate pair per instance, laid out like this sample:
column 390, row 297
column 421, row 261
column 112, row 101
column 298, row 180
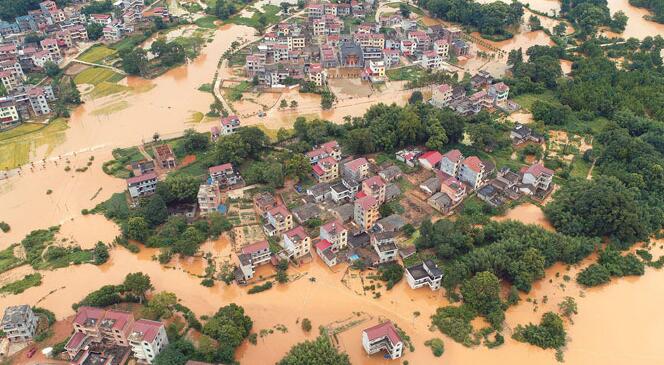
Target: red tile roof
column 333, row 227
column 255, row 247
column 360, row 194
column 474, row 163
column 537, row 170
column 445, row 88
column 297, row 232
column 141, row 178
column 433, row 157
column 366, row 202
column 280, row 209
column 375, row 180
column 146, row 330
column 453, row 155
column 230, row 120
column 323, row 245
column 501, row 87
column 356, row 163
column 318, row 170
column 386, row 329
column 85, row 313
column 75, row 340
column 220, row 168
column 120, row 318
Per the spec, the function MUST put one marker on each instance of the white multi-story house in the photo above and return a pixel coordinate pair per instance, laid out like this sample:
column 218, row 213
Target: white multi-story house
column 209, row 198
column 142, row 185
column 279, row 220
column 147, row 339
column 499, row 92
column 538, row 176
column 8, row 113
column 19, row 323
column 450, row 162
column 297, row 242
column 224, row 175
column 472, row 171
column 424, row 273
column 383, row 337
column 335, row 233
column 383, row 244
column 431, row 60
column 358, row 169
column 442, row 48
column 441, row 96
column 252, row 256
column 317, row 74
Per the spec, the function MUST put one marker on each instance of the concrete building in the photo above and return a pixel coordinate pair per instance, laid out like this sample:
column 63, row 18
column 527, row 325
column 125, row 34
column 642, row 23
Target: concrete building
column 147, row 339
column 209, row 198
column 357, row 169
column 296, row 242
column 425, row 273
column 472, row 172
column 336, row 234
column 383, row 337
column 224, row 175
column 441, row 96
column 229, row 124
column 252, row 256
column 366, row 212
column 326, row 170
column 279, row 220
column 19, row 323
column 143, row 185
column 450, row 162
column 375, row 187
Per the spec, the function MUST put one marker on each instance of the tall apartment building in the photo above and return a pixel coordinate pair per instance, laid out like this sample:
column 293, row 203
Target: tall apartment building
column 19, row 323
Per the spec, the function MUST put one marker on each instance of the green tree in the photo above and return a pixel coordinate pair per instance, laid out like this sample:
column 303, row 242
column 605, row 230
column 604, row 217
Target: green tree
column 415, row 97
column 283, row 104
column 160, row 306
column 550, row 333
column 317, row 352
column 298, row 166
column 51, row 69
column 100, row 253
column 193, row 141
column 135, row 61
column 137, row 229
column 138, row 284
column 482, row 292
column 404, row 10
column 179, row 189
column 306, row 325
column 154, row 210
column 95, row 31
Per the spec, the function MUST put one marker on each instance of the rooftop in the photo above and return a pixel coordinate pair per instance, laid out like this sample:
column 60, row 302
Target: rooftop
column 145, row 330
column 141, row 178
column 383, row 330
column 255, row 247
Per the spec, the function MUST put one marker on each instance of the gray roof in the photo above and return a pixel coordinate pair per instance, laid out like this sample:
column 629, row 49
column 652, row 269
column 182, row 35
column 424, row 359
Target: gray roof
column 442, row 199
column 392, row 191
column 433, row 268
column 433, row 184
column 393, row 222
column 487, row 191
column 345, row 212
column 390, row 173
column 359, row 240
column 305, row 212
column 16, row 315
column 319, row 189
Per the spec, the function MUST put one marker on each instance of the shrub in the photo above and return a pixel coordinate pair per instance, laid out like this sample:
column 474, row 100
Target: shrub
column 437, row 346
column 306, row 325
column 259, row 288
column 4, row 226
column 550, row 333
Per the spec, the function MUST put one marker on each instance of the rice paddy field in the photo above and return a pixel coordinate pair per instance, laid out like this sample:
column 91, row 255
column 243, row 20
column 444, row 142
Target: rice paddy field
column 17, row 143
column 97, row 54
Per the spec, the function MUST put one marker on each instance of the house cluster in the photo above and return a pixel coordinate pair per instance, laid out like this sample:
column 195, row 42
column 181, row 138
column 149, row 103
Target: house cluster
column 455, row 177
column 305, row 51
column 488, row 95
column 110, row 337
column 535, row 181
column 49, row 34
column 144, row 181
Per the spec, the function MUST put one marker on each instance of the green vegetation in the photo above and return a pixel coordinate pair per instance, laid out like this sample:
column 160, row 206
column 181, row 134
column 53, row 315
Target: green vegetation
column 206, row 22
column 259, row 20
column 655, row 6
column 7, row 259
column 133, row 289
column 96, row 76
column 549, row 334
column 19, row 286
column 259, row 288
column 235, row 93
column 610, row 263
column 306, row 325
column 455, row 322
column 391, row 273
column 17, row 143
column 409, row 73
column 97, row 53
column 317, row 352
column 437, row 346
column 490, row 19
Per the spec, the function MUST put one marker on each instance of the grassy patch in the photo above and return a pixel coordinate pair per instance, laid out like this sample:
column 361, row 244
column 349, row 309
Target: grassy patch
column 196, row 117
column 413, row 9
column 410, row 73
column 580, row 168
column 206, row 22
column 270, row 12
column 206, row 88
column 235, row 93
column 97, row 53
column 527, row 100
column 17, row 145
column 19, row 286
column 7, row 259
column 129, row 42
column 97, row 75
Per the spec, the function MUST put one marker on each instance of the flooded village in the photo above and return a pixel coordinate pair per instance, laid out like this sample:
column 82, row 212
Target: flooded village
column 314, row 246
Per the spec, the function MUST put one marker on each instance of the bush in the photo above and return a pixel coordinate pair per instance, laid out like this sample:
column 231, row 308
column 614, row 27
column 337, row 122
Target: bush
column 208, row 282
column 391, row 273
column 259, row 288
column 437, row 346
column 4, row 226
column 550, row 333
column 50, row 316
column 306, row 325
column 455, row 322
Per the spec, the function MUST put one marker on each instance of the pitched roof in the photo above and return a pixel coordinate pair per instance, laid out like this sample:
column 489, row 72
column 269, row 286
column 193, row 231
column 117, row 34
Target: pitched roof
column 356, row 163
column 87, row 316
column 333, row 227
column 474, row 163
column 297, row 232
column 255, row 247
column 141, row 178
column 538, row 169
column 323, row 245
column 366, row 202
column 453, row 155
column 386, row 329
column 433, row 157
column 145, row 330
column 220, row 168
column 375, row 180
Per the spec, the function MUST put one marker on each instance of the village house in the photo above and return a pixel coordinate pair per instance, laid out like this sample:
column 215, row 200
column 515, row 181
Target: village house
column 19, row 323
column 142, row 167
column 523, row 134
column 431, row 60
column 374, row 71
column 209, row 198
column 409, row 157
column 296, row 242
column 383, row 244
column 335, row 233
column 430, row 160
column 390, row 173
column 250, row 257
column 425, row 273
column 97, row 326
column 366, row 212
column 326, row 170
column 472, row 171
column 441, row 202
column 305, row 212
column 450, row 162
column 454, row 189
column 326, row 253
column 383, row 337
column 421, row 40
column 536, row 179
column 263, row 202
column 499, row 92
column 51, row 46
column 374, row 187
column 147, row 339
column 319, row 192
column 357, row 169
column 317, row 74
column 441, row 96
column 143, row 185
column 279, row 220
column 229, row 124
column 391, row 57
column 164, row 156
column 224, row 175
column 327, row 149
column 392, row 223
column 442, row 48
column 344, row 190
column 9, row 116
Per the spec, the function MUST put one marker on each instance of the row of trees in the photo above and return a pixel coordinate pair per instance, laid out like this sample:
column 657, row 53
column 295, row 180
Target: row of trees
column 588, row 15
